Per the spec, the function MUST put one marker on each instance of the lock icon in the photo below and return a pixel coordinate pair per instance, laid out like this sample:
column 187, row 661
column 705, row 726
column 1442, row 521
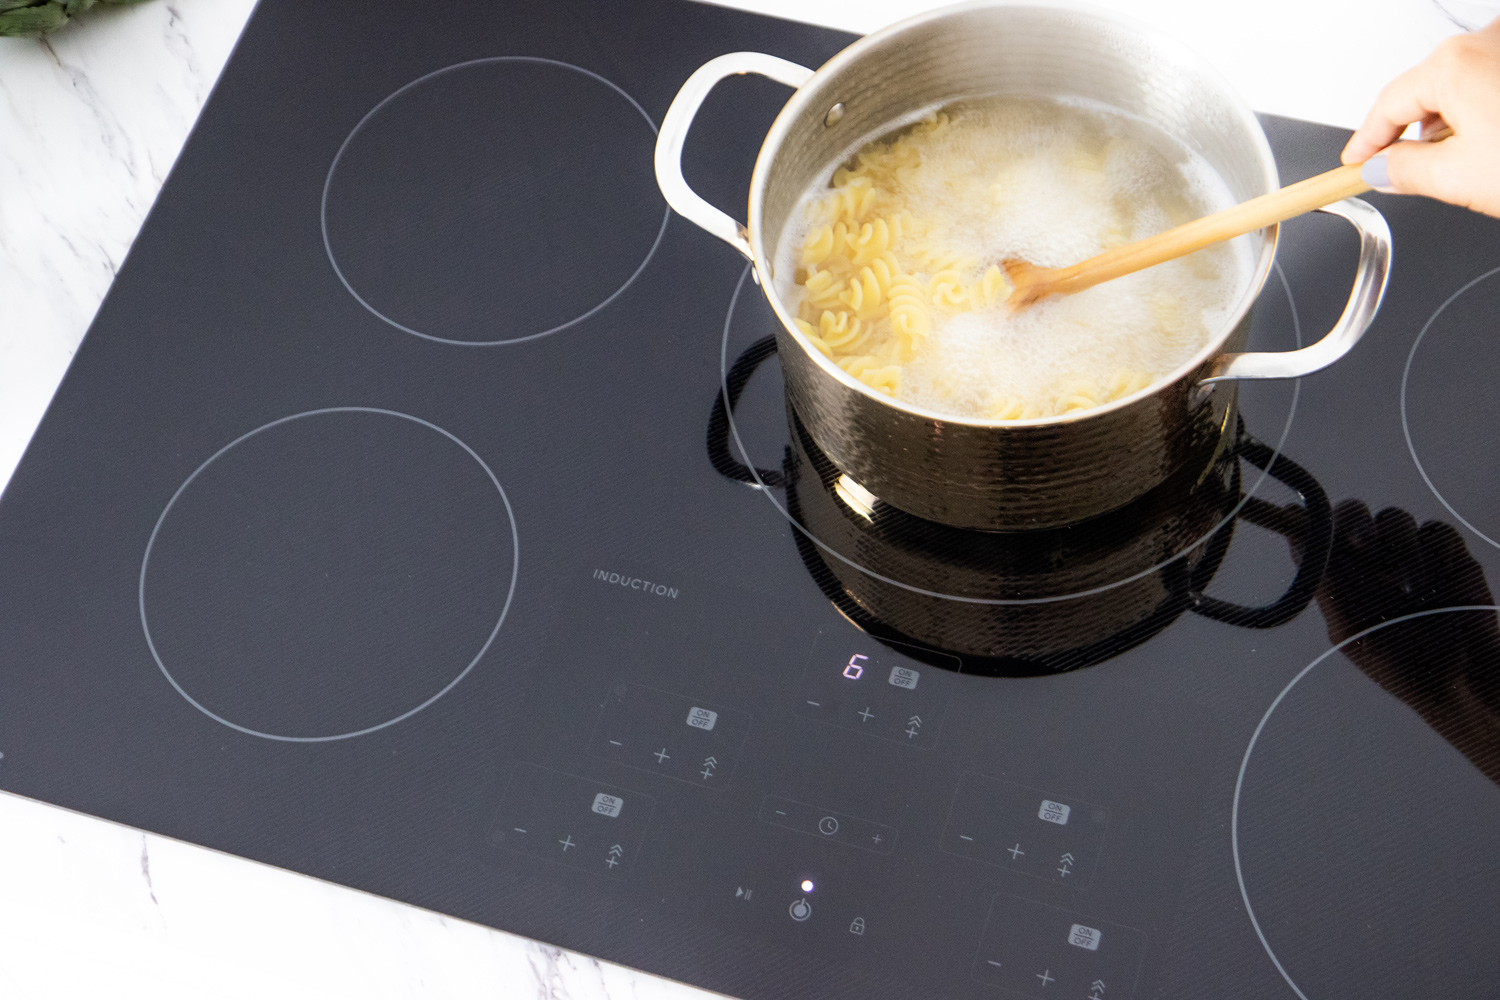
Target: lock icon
column 858, row 927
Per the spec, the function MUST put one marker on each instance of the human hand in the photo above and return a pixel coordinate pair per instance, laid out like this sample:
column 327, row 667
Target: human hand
column 1458, row 85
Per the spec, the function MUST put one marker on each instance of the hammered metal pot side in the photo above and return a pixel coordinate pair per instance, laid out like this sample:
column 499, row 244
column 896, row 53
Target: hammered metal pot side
column 1026, row 476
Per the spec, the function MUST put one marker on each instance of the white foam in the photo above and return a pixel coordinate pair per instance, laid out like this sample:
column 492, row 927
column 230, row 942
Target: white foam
column 1054, row 183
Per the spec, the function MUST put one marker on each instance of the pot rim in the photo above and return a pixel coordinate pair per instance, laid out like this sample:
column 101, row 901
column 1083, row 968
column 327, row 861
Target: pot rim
column 1179, row 53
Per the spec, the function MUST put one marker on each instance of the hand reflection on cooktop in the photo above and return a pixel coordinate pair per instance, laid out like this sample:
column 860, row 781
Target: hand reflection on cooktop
column 1446, row 667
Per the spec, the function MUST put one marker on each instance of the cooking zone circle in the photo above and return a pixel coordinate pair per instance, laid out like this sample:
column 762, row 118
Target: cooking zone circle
column 494, row 201
column 328, row 574
column 1363, row 829
column 1454, row 453
column 759, row 432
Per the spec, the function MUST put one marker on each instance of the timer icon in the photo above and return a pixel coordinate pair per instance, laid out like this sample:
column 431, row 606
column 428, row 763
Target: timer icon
column 800, row 910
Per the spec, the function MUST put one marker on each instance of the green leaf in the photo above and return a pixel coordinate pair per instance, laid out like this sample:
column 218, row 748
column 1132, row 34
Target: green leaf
column 13, row 4
column 122, row 3
column 26, row 21
column 76, row 7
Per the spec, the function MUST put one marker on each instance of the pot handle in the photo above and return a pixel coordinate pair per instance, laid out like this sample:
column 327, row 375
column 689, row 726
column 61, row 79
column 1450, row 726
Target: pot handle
column 1364, row 299
column 679, row 118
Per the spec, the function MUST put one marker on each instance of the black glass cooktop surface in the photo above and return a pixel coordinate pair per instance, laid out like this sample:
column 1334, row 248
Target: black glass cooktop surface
column 422, row 513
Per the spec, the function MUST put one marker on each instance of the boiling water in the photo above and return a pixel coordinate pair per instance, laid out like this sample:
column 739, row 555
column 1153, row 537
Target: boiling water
column 1049, row 182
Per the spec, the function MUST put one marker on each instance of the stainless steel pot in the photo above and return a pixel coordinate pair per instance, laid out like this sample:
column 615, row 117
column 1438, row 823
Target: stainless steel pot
column 1018, row 474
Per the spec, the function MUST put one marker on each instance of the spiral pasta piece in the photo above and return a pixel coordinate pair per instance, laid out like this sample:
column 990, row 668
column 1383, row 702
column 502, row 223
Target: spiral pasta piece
column 812, row 336
column 865, row 294
column 1125, row 383
column 911, row 321
column 853, row 201
column 948, row 289
column 990, row 289
column 1079, row 394
column 873, row 372
column 872, row 240
column 823, row 242
column 824, row 291
column 1013, row 408
column 841, row 331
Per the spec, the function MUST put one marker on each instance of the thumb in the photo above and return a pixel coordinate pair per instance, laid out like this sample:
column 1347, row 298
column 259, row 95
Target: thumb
column 1434, row 169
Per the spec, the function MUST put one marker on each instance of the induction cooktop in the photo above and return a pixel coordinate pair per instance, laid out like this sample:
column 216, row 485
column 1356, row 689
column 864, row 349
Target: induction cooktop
column 422, row 513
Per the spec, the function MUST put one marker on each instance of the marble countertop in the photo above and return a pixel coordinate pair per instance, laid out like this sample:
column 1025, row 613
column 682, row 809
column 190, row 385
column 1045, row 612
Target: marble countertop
column 91, row 120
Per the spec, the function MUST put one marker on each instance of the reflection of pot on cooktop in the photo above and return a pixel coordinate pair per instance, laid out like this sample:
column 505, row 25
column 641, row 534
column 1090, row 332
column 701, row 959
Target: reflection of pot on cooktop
column 1032, row 602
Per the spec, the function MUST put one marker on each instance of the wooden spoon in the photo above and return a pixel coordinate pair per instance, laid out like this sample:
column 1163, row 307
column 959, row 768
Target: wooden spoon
column 1032, row 284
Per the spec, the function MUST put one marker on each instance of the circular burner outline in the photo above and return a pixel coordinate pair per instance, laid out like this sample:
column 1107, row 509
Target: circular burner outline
column 1239, row 781
column 1406, row 427
column 515, row 565
column 760, row 485
column 328, row 183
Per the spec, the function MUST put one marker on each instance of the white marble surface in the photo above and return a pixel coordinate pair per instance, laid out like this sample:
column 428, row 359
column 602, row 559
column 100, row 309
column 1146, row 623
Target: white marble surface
column 90, row 909
column 90, row 123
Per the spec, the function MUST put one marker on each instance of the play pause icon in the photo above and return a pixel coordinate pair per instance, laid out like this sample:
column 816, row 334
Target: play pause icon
column 742, row 893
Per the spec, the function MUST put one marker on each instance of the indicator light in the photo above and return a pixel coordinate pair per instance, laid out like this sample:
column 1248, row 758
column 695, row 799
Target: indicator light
column 807, row 885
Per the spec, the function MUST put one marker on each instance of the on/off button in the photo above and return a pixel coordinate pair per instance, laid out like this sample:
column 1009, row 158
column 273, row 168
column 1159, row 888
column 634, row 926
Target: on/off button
column 1085, row 937
column 800, row 909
